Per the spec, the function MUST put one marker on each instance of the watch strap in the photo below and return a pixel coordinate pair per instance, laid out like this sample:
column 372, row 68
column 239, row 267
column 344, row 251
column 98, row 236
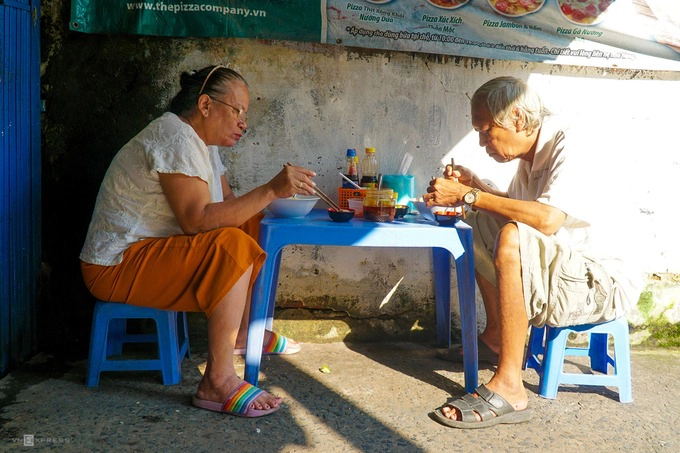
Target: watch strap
column 475, row 195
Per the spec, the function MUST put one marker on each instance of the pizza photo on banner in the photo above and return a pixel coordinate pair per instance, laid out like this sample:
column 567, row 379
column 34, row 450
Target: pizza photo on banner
column 627, row 34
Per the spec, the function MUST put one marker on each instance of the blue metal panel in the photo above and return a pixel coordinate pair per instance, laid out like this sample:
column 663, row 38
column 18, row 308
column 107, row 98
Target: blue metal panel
column 19, row 179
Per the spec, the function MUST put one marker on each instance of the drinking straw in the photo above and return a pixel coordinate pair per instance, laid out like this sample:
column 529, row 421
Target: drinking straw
column 350, row 181
column 405, row 163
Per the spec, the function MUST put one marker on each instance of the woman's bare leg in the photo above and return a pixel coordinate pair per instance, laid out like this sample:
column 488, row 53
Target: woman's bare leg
column 220, row 378
column 242, row 338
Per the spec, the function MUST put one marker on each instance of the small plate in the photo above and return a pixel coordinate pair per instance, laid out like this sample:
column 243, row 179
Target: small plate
column 448, row 4
column 516, row 9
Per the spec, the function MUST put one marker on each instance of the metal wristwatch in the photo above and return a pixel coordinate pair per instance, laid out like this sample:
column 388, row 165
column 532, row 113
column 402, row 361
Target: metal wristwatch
column 471, row 197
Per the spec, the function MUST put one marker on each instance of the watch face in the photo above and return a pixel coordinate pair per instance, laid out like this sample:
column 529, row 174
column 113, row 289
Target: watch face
column 469, row 198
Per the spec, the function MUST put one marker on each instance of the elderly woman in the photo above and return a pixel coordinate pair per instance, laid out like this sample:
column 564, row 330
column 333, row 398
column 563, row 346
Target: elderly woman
column 168, row 232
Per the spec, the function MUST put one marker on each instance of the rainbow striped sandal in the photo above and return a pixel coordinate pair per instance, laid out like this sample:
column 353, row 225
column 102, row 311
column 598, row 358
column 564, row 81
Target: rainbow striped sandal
column 239, row 402
column 277, row 345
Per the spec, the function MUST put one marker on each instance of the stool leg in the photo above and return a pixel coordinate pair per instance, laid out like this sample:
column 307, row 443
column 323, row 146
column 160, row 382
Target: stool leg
column 556, row 349
column 622, row 361
column 98, row 348
column 109, row 333
column 553, row 360
column 598, row 352
column 183, row 338
column 116, row 336
column 168, row 348
column 535, row 347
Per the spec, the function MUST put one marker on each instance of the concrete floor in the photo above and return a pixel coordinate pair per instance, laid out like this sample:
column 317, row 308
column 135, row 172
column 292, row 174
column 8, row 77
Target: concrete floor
column 376, row 399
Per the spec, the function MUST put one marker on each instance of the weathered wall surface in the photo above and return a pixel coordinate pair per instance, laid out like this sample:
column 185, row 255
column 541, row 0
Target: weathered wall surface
column 308, row 104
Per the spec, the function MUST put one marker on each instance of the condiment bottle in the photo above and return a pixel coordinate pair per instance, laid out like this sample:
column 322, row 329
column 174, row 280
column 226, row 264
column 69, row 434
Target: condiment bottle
column 379, row 205
column 352, row 170
column 369, row 169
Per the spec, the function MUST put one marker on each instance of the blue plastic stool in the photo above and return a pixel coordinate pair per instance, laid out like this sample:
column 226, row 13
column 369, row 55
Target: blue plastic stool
column 551, row 344
column 109, row 333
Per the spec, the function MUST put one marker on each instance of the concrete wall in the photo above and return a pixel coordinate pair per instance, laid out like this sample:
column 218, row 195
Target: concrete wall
column 311, row 102
column 331, row 99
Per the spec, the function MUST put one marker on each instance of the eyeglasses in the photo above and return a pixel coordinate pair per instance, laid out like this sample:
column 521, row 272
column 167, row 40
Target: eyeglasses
column 240, row 113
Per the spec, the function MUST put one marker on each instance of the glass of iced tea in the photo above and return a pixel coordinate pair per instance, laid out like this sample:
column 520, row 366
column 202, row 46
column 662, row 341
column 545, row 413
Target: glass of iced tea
column 379, row 205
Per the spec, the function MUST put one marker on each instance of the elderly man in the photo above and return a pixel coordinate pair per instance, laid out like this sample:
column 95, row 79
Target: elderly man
column 536, row 257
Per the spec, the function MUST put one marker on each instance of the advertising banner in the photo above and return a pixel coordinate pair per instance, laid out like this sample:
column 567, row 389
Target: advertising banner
column 628, row 34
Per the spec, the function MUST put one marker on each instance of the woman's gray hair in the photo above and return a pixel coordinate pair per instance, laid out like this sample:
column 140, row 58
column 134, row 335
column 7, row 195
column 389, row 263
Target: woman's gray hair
column 510, row 100
column 212, row 80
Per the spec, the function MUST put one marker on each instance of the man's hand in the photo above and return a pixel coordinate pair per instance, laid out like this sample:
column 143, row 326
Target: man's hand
column 445, row 192
column 459, row 173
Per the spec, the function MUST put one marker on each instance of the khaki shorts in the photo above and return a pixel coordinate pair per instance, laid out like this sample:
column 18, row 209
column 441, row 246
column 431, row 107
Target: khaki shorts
column 562, row 287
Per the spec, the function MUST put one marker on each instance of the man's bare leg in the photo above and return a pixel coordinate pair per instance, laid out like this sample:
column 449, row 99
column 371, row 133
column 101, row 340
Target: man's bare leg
column 507, row 380
column 491, row 335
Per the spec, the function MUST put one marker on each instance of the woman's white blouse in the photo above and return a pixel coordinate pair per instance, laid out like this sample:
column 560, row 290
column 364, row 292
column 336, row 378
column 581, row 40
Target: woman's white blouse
column 131, row 205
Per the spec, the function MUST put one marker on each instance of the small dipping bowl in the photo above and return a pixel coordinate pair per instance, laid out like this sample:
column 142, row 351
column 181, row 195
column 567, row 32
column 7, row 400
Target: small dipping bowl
column 340, row 216
column 400, row 211
column 447, row 219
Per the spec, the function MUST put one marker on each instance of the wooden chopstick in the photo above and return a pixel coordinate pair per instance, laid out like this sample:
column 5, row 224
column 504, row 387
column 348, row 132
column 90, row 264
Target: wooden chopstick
column 327, row 199
column 453, row 165
column 323, row 196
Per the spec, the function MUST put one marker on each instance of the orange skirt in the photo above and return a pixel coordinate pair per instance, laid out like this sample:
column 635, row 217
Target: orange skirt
column 179, row 273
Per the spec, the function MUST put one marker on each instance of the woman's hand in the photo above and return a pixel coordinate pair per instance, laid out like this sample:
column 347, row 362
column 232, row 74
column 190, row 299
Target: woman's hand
column 189, row 198
column 292, row 180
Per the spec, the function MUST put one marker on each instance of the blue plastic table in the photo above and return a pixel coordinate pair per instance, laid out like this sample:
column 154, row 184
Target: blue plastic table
column 318, row 229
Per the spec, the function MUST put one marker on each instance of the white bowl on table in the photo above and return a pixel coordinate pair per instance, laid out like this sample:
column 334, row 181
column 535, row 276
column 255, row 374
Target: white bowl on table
column 424, row 210
column 293, row 207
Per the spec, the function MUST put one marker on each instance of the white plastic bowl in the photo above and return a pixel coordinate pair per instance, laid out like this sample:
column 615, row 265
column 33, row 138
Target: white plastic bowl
column 424, row 210
column 298, row 206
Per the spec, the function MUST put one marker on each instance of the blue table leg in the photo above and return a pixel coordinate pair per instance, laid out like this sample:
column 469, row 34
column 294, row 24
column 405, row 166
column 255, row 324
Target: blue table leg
column 465, row 271
column 262, row 296
column 264, row 292
column 441, row 262
column 272, row 293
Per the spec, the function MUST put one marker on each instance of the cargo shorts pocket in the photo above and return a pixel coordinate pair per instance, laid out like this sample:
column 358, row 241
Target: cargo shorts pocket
column 583, row 295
